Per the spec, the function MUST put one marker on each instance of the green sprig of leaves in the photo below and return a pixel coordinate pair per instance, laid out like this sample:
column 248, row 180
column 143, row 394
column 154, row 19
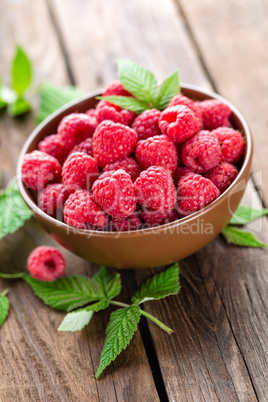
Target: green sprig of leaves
column 4, row 306
column 21, row 76
column 141, row 83
column 238, row 237
column 71, row 293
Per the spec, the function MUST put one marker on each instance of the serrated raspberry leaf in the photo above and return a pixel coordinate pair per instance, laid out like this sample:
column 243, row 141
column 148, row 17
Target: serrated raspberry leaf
column 77, row 320
column 241, row 238
column 120, row 330
column 4, row 307
column 68, row 293
column 21, row 71
column 126, row 102
column 245, row 214
column 53, row 97
column 159, row 286
column 169, row 88
column 109, row 284
column 13, row 211
column 138, row 80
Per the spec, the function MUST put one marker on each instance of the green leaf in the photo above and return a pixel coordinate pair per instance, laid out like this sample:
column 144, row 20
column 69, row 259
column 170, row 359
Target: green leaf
column 109, row 284
column 126, row 102
column 160, row 285
column 138, row 80
column 7, row 96
column 20, row 106
column 241, row 238
column 66, row 293
column 21, row 71
column 52, row 97
column 13, row 210
column 4, row 307
column 244, row 215
column 169, row 88
column 120, row 330
column 77, row 320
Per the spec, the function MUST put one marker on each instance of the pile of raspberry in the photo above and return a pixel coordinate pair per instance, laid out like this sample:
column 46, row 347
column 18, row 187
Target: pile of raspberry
column 109, row 169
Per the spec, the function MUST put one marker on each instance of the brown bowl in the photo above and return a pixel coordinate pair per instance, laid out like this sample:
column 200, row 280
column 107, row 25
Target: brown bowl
column 150, row 247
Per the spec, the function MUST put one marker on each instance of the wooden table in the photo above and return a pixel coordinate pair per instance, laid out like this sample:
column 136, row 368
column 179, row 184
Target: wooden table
column 220, row 347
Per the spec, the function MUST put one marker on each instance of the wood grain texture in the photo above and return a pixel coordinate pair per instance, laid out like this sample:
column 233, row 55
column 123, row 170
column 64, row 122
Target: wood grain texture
column 203, row 359
column 233, row 42
column 40, row 363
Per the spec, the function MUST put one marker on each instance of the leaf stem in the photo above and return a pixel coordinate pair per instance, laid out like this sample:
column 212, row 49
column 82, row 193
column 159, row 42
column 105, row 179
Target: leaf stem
column 119, row 304
column 157, row 322
column 147, row 315
column 5, row 292
column 12, row 276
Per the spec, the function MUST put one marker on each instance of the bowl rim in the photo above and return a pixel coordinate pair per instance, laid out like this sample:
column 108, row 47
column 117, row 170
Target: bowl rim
column 139, row 232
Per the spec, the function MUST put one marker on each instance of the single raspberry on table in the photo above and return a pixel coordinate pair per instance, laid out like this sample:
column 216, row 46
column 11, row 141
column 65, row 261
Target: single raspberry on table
column 113, row 141
column 80, row 209
column 214, row 113
column 155, row 189
column 194, row 193
column 38, row 169
column 231, row 143
column 222, row 175
column 85, row 146
column 79, row 171
column 201, row 152
column 132, row 222
column 46, row 264
column 146, row 124
column 159, row 150
column 154, row 218
column 76, row 127
column 53, row 146
column 128, row 164
column 52, row 198
column 116, row 88
column 114, row 193
column 108, row 111
column 179, row 123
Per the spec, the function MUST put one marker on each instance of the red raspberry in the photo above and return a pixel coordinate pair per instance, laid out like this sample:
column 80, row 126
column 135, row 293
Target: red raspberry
column 46, row 264
column 201, row 152
column 231, row 143
column 115, row 88
column 79, row 171
column 113, row 141
column 146, row 124
column 107, row 111
column 53, row 146
column 38, row 169
column 222, row 175
column 52, row 198
column 132, row 222
column 85, row 146
column 179, row 123
column 214, row 113
column 182, row 171
column 80, row 208
column 194, row 193
column 155, row 189
column 155, row 218
column 76, row 127
column 182, row 100
column 128, row 164
column 93, row 116
column 114, row 192
column 159, row 150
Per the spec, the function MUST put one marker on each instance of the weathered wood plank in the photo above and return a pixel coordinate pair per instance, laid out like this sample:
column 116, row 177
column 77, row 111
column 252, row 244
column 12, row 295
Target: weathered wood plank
column 41, row 364
column 233, row 42
column 202, row 360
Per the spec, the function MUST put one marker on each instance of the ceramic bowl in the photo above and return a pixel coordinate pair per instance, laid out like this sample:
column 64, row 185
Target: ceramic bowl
column 150, row 247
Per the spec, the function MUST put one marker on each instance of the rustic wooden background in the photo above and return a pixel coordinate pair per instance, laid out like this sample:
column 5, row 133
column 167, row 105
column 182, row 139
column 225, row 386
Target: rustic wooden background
column 220, row 347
